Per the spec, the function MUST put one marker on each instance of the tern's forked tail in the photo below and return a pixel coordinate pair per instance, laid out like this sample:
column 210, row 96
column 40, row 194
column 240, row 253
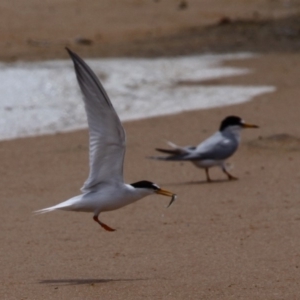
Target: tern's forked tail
column 44, row 210
column 70, row 204
column 175, row 154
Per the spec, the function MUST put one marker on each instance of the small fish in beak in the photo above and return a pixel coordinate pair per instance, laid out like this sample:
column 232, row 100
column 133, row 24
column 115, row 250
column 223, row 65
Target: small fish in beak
column 168, row 194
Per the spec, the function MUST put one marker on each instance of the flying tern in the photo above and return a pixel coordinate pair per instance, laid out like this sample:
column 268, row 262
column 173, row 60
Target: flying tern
column 104, row 190
column 213, row 151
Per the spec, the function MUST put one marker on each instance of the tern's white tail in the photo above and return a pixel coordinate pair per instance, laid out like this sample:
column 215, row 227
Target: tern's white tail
column 171, row 144
column 66, row 205
column 44, row 210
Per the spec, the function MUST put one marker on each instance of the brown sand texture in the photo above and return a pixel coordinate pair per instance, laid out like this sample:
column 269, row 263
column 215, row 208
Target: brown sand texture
column 223, row 240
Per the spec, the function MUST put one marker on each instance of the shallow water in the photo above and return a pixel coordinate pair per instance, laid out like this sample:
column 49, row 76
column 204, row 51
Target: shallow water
column 44, row 97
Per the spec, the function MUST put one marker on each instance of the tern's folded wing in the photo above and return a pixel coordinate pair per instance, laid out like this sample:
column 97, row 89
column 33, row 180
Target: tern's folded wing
column 107, row 136
column 216, row 147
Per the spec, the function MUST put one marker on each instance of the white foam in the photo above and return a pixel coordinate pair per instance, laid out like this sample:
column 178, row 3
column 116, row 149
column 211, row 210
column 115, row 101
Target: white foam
column 44, row 97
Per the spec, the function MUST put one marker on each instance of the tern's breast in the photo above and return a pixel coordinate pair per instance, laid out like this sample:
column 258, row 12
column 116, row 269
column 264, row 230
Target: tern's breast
column 207, row 163
column 110, row 197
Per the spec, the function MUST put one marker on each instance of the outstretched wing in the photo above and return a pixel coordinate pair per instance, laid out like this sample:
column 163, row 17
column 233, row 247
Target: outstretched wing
column 107, row 135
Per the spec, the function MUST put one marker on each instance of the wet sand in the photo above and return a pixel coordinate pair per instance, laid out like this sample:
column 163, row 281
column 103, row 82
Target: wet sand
column 224, row 240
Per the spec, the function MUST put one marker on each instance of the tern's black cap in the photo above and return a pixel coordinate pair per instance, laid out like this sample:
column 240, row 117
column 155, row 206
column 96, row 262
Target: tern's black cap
column 231, row 121
column 144, row 184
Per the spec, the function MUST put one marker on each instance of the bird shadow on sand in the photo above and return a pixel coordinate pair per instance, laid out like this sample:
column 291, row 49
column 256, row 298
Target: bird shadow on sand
column 88, row 281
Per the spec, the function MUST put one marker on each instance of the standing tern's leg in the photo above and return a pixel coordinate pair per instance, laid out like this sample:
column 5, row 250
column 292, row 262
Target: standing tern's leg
column 207, row 175
column 230, row 177
column 106, row 227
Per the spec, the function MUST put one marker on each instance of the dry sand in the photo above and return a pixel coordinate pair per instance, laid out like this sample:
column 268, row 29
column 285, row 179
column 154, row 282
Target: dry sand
column 225, row 240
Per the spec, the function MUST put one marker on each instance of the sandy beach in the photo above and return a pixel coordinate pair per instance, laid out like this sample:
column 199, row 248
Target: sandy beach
column 224, row 240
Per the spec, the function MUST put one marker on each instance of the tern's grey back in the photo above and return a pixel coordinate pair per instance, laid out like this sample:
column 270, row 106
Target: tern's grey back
column 219, row 146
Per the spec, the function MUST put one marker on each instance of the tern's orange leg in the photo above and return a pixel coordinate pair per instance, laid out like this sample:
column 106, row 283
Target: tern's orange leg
column 207, row 175
column 106, row 227
column 230, row 177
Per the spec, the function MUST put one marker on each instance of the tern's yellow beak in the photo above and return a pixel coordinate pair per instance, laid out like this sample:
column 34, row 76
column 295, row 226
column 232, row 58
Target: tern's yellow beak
column 168, row 194
column 245, row 125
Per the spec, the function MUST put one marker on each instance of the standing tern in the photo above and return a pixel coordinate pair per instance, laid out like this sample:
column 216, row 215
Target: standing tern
column 104, row 190
column 213, row 151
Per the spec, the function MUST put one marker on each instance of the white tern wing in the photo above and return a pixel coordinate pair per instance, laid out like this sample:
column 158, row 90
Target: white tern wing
column 107, row 135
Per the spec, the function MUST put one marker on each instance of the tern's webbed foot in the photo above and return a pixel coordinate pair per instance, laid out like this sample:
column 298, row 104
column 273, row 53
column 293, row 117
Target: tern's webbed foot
column 230, row 177
column 106, row 227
